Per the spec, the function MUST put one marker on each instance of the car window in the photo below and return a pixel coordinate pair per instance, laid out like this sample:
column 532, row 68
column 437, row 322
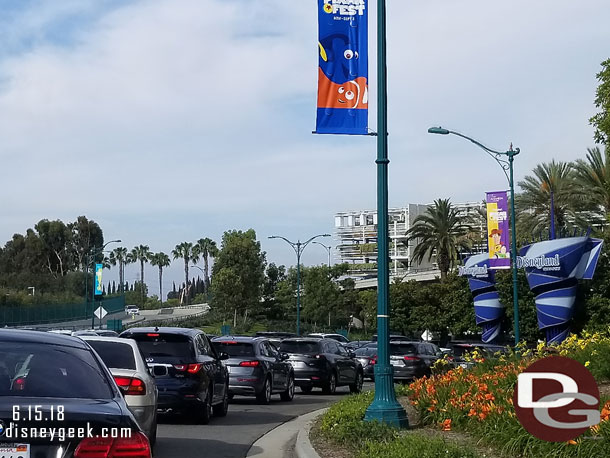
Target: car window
column 204, row 346
column 35, row 370
column 164, row 345
column 300, row 347
column 264, row 350
column 399, row 349
column 332, row 347
column 271, row 349
column 234, row 349
column 342, row 350
column 114, row 354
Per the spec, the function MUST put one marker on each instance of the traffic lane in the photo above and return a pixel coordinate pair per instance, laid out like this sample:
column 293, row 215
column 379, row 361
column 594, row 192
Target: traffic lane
column 233, row 435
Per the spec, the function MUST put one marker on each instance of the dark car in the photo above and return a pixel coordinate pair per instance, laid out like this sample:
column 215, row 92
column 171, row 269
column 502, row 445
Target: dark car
column 338, row 337
column 355, row 344
column 407, row 359
column 60, row 383
column 368, row 358
column 256, row 368
column 460, row 349
column 190, row 375
column 322, row 363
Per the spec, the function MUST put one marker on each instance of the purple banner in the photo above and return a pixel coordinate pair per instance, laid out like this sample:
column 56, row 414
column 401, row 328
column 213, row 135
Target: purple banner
column 498, row 230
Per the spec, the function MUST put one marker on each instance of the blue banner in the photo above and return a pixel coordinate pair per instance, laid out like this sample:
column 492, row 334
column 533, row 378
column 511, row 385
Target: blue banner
column 343, row 67
column 99, row 289
column 553, row 268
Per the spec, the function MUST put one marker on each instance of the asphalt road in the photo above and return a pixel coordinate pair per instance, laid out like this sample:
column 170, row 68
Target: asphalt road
column 232, row 436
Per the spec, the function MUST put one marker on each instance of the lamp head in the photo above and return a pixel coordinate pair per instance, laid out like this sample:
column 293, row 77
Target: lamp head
column 438, row 130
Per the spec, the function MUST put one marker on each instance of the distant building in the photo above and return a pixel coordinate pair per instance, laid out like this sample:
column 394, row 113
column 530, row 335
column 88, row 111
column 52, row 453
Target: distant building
column 356, row 238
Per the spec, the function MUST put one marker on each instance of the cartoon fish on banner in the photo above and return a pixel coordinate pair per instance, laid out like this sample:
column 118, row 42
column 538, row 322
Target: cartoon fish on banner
column 553, row 268
column 487, row 306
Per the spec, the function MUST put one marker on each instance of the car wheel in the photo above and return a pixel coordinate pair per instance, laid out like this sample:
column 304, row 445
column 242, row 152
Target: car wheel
column 230, row 396
column 205, row 411
column 356, row 387
column 331, row 386
column 288, row 395
column 221, row 409
column 306, row 389
column 152, row 438
column 264, row 397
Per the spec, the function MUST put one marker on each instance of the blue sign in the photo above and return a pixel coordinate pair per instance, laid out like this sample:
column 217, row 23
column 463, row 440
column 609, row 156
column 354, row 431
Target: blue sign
column 553, row 268
column 99, row 289
column 343, row 94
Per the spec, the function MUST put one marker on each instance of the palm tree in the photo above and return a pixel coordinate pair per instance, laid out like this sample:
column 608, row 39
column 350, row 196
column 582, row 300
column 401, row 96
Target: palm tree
column 142, row 254
column 535, row 201
column 185, row 251
column 119, row 256
column 593, row 177
column 206, row 248
column 441, row 231
column 160, row 260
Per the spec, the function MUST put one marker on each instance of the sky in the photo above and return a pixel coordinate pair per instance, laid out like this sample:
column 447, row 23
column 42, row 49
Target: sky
column 172, row 120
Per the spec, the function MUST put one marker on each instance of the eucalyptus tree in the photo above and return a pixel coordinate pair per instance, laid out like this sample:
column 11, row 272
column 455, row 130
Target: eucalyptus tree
column 185, row 251
column 551, row 179
column 119, row 256
column 141, row 254
column 593, row 179
column 206, row 248
column 161, row 260
column 440, row 231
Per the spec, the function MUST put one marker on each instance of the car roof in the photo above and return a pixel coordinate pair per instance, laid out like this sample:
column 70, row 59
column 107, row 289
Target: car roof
column 50, row 338
column 164, row 330
column 305, row 339
column 242, row 339
column 121, row 340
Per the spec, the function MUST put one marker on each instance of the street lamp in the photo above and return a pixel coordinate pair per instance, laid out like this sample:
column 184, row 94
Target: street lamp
column 298, row 248
column 89, row 259
column 507, row 165
column 327, row 249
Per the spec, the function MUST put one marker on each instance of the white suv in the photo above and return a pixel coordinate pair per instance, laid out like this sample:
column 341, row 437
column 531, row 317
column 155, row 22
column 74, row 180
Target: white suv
column 132, row 310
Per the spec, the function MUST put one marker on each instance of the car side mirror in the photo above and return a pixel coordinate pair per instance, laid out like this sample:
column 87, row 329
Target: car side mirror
column 223, row 356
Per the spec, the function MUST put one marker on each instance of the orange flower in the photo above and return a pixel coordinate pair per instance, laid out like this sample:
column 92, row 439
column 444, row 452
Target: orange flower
column 472, row 412
column 431, row 409
column 447, row 425
column 572, row 442
column 605, row 414
column 482, row 416
column 489, row 397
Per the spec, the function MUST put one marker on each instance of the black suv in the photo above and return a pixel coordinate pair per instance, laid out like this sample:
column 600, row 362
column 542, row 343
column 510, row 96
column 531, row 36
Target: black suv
column 323, row 363
column 190, row 375
column 256, row 368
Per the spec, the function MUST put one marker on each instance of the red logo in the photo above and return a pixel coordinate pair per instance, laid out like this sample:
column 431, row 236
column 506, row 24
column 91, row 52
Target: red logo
column 556, row 399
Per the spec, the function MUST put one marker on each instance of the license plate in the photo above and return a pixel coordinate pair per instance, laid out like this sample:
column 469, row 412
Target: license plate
column 297, row 364
column 15, row 450
column 396, row 362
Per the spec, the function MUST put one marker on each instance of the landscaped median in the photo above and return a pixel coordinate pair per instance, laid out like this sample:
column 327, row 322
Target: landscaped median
column 468, row 413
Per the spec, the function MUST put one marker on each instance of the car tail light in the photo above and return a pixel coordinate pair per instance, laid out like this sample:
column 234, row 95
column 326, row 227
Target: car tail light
column 228, row 342
column 19, row 384
column 411, row 358
column 249, row 364
column 374, row 360
column 131, row 386
column 136, row 446
column 152, row 335
column 450, row 358
column 194, row 368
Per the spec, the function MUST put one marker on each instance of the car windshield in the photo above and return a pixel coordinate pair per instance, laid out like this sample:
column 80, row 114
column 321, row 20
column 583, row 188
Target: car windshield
column 234, row 349
column 299, row 347
column 163, row 345
column 399, row 349
column 115, row 354
column 55, row 371
column 366, row 351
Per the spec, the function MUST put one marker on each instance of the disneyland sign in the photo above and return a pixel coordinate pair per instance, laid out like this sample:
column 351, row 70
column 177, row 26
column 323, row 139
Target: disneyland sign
column 539, row 262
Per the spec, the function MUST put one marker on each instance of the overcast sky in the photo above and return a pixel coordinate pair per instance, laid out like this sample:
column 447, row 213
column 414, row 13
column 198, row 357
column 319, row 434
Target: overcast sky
column 171, row 120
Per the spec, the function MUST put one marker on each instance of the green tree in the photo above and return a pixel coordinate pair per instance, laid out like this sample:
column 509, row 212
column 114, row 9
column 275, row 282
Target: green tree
column 121, row 257
column 87, row 238
column 141, row 254
column 593, row 179
column 441, row 230
column 534, row 203
column 206, row 248
column 184, row 251
column 241, row 253
column 601, row 121
column 161, row 260
column 227, row 293
column 56, row 241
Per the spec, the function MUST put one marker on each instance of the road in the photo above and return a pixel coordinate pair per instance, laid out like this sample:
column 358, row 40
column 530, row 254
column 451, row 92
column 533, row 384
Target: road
column 232, row 436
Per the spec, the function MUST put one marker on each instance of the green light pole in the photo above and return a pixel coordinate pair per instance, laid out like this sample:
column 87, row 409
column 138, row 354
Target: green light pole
column 507, row 165
column 298, row 248
column 384, row 408
column 89, row 259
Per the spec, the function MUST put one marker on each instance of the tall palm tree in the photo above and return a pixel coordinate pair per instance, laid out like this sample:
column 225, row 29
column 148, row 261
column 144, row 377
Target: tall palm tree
column 206, row 248
column 441, row 231
column 160, row 260
column 142, row 254
column 119, row 256
column 593, row 178
column 535, row 201
column 185, row 251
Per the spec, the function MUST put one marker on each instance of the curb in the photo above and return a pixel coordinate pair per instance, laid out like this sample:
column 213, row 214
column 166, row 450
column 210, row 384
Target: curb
column 287, row 439
column 303, row 447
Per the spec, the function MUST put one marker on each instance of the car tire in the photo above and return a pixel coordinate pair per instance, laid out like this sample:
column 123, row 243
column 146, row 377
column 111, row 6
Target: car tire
column 264, row 397
column 152, row 439
column 331, row 386
column 288, row 395
column 220, row 410
column 356, row 387
column 306, row 389
column 205, row 411
column 231, row 396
